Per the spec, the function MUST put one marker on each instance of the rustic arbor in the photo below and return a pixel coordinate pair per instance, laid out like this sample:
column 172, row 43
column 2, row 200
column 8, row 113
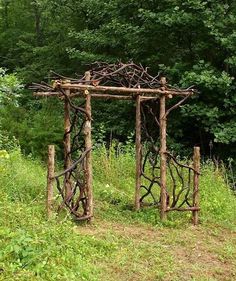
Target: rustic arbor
column 161, row 179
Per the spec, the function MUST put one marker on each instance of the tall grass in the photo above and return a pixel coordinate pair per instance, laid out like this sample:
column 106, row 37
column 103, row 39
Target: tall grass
column 34, row 248
column 218, row 201
column 31, row 247
column 23, row 179
column 114, row 173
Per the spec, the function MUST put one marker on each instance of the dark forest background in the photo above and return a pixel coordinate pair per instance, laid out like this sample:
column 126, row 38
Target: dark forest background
column 191, row 42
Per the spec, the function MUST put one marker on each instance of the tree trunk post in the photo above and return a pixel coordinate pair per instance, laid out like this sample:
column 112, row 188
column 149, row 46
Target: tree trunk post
column 67, row 145
column 196, row 165
column 138, row 150
column 88, row 159
column 162, row 121
column 50, row 179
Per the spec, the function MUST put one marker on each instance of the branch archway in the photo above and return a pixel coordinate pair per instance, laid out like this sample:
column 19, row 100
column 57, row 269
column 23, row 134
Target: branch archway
column 161, row 180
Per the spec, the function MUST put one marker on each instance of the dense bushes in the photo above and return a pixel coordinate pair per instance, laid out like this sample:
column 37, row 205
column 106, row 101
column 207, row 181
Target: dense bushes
column 191, row 42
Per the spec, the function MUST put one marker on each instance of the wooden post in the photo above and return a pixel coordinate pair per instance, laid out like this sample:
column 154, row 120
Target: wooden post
column 50, row 179
column 196, row 165
column 138, row 149
column 88, row 163
column 162, row 121
column 67, row 144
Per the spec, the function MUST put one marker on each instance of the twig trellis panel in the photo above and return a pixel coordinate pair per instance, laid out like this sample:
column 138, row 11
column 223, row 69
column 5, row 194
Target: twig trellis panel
column 161, row 180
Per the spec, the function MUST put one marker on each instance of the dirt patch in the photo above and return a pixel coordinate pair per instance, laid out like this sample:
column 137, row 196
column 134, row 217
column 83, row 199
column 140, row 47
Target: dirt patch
column 140, row 232
column 184, row 253
column 201, row 255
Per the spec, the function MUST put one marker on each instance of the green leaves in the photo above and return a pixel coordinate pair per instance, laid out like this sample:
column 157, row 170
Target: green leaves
column 205, row 76
column 9, row 87
column 192, row 42
column 226, row 133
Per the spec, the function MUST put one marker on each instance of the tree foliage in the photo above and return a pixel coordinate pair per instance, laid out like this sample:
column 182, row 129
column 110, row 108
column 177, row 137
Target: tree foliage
column 9, row 88
column 190, row 41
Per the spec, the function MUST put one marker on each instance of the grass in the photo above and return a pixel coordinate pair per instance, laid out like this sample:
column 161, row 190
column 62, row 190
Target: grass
column 120, row 244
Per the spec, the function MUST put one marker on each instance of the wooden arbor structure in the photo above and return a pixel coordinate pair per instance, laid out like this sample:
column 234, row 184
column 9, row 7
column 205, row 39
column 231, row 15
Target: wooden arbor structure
column 161, row 179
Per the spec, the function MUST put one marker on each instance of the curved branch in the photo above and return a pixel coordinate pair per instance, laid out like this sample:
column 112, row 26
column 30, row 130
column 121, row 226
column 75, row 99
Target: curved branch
column 176, row 105
column 181, row 165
